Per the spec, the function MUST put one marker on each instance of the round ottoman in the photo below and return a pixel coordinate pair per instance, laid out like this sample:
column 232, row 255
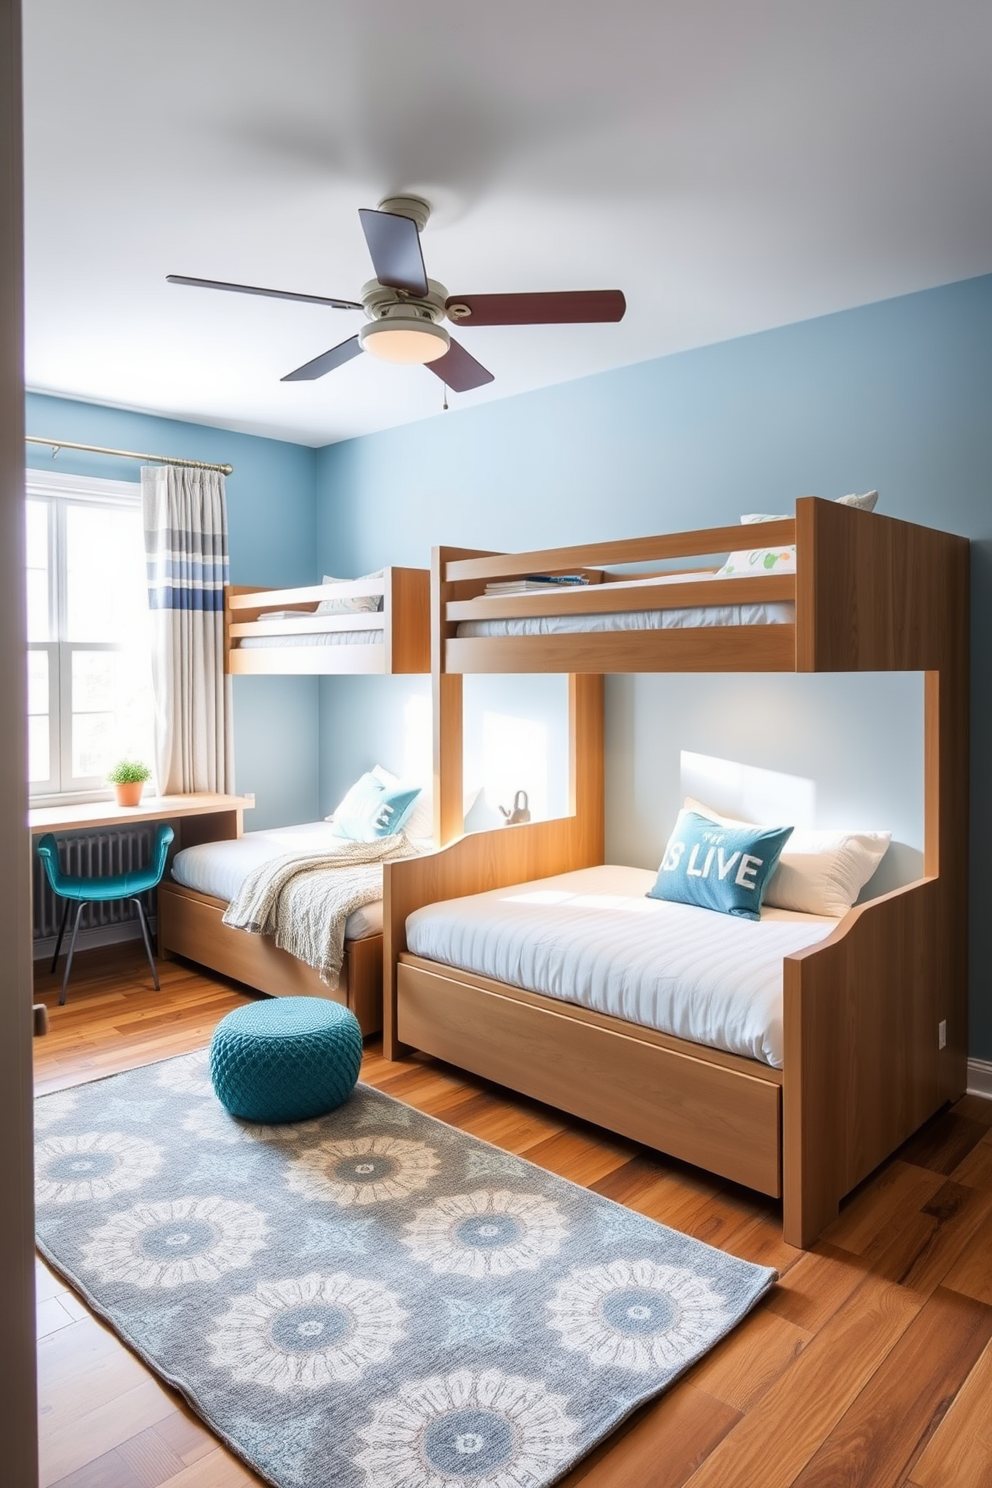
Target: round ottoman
column 287, row 1059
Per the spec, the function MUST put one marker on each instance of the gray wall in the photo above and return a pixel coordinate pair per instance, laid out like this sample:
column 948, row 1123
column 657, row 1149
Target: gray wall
column 894, row 395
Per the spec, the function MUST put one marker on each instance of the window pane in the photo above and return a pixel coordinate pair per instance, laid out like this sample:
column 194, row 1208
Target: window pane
column 38, row 696
column 39, row 753
column 37, row 571
column 105, row 574
column 111, row 710
column 92, row 744
column 94, row 675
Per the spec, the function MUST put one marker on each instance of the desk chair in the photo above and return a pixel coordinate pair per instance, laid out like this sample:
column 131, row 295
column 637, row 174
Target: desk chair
column 82, row 891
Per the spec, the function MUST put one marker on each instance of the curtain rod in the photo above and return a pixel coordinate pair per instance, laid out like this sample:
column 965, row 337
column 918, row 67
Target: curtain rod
column 99, row 449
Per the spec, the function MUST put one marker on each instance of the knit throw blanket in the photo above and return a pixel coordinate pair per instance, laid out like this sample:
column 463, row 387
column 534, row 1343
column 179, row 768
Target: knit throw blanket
column 303, row 900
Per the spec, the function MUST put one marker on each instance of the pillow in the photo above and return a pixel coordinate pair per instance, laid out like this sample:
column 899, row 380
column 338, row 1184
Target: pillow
column 862, row 503
column 759, row 561
column 818, row 873
column 719, row 867
column 372, row 809
column 357, row 605
column 778, row 560
column 378, row 773
column 420, row 822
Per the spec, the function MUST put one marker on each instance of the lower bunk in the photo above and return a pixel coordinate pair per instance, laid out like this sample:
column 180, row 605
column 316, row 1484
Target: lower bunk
column 860, row 1005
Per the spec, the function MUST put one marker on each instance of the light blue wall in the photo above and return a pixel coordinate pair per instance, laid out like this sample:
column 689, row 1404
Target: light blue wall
column 896, row 395
column 271, row 521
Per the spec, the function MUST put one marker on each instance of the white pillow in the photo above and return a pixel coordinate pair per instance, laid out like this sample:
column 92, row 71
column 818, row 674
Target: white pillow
column 777, row 560
column 359, row 605
column 420, row 822
column 818, row 873
column 862, row 503
column 759, row 561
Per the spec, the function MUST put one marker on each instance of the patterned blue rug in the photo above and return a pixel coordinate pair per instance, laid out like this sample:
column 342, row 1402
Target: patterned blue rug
column 373, row 1299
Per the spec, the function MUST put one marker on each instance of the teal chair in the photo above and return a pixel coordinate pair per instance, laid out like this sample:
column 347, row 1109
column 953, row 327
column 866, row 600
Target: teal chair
column 82, row 891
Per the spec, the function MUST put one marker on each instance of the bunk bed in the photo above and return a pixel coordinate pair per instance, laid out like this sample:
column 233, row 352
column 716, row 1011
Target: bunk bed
column 874, row 1013
column 262, row 640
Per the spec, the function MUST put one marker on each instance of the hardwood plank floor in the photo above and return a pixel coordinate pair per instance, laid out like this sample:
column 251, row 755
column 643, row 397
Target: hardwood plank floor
column 868, row 1366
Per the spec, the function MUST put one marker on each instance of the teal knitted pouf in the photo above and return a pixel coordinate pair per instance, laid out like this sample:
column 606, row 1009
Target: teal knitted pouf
column 286, row 1059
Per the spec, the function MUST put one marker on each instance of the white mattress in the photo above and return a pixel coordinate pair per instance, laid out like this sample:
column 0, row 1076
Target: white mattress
column 691, row 618
column 314, row 638
column 592, row 938
column 220, row 868
column 777, row 613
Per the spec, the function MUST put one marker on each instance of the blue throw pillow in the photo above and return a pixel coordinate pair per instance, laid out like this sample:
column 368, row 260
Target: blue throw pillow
column 716, row 867
column 372, row 809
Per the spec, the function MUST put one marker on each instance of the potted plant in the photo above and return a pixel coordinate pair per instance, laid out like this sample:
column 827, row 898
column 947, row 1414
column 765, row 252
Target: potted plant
column 128, row 778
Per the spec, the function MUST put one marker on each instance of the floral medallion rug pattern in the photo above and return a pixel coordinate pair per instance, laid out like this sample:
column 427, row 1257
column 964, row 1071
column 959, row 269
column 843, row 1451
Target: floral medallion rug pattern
column 372, row 1299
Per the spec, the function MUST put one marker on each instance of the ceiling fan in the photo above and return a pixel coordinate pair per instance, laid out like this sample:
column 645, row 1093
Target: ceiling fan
column 405, row 309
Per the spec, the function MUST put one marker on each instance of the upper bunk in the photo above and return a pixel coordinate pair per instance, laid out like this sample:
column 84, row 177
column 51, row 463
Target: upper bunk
column 261, row 638
column 869, row 593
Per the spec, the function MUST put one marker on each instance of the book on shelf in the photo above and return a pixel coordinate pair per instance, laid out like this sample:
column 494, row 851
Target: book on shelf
column 536, row 583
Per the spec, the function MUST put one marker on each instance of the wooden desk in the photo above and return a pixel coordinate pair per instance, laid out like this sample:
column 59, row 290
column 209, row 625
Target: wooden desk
column 201, row 817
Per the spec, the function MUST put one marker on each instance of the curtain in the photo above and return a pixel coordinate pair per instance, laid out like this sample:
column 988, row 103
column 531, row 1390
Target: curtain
column 185, row 518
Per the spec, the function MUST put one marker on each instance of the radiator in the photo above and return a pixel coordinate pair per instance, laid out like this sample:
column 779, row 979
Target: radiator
column 94, row 855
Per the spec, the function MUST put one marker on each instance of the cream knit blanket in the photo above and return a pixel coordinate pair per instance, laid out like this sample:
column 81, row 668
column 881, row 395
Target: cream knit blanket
column 303, row 900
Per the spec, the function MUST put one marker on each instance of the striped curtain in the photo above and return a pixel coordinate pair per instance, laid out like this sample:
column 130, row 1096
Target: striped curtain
column 185, row 516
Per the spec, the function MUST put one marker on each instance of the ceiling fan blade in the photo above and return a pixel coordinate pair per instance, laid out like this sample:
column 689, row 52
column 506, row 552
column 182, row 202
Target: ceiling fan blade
column 394, row 244
column 566, row 307
column 271, row 294
column 459, row 370
column 326, row 362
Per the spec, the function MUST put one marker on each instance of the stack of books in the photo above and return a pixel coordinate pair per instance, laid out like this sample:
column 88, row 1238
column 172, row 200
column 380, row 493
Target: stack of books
column 536, row 583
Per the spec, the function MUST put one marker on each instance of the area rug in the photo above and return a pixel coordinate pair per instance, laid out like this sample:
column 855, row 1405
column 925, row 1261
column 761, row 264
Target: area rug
column 372, row 1299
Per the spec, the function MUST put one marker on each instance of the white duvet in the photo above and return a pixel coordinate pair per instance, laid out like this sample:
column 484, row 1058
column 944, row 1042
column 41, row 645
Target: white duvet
column 592, row 938
column 220, row 868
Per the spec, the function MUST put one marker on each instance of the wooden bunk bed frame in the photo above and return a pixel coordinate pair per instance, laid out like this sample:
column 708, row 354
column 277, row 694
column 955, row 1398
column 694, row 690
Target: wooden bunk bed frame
column 403, row 620
column 191, row 924
column 862, row 1009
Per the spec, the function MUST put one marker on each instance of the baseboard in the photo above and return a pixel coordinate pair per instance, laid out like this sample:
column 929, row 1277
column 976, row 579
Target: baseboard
column 102, row 935
column 980, row 1078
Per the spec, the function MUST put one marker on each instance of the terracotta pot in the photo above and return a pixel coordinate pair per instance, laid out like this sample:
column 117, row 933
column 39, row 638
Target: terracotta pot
column 129, row 794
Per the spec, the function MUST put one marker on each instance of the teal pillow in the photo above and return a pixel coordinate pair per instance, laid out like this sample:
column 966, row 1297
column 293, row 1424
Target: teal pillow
column 372, row 809
column 716, row 867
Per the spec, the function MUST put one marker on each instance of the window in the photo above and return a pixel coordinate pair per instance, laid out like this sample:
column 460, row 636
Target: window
column 89, row 672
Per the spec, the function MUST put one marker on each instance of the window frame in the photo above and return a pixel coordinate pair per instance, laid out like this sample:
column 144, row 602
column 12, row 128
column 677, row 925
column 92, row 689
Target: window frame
column 60, row 489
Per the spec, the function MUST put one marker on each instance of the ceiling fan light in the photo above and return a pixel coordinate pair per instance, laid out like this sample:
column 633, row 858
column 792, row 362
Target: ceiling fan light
column 405, row 340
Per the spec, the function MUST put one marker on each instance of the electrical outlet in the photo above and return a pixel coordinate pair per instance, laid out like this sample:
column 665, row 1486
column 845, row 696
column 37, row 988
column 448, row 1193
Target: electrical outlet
column 942, row 1034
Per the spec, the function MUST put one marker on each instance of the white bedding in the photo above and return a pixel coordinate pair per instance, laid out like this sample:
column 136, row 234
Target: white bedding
column 220, row 868
column 315, row 638
column 777, row 613
column 690, row 618
column 592, row 938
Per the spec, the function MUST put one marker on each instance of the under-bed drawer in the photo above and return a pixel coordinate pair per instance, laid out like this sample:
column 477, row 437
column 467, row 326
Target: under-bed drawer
column 628, row 1080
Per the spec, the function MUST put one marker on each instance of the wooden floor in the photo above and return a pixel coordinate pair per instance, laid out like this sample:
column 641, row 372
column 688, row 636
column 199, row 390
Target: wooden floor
column 868, row 1366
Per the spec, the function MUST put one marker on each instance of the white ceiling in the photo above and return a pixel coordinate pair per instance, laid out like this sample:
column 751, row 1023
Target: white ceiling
column 730, row 164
